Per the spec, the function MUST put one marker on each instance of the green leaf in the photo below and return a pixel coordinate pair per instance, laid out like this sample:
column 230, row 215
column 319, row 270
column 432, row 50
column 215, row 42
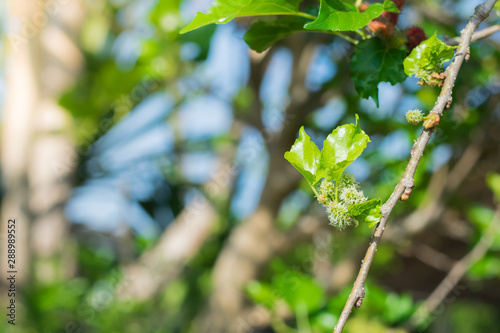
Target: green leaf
column 340, row 149
column 427, row 58
column 261, row 293
column 324, row 322
column 336, row 16
column 305, row 157
column 368, row 211
column 223, row 11
column 372, row 63
column 262, row 34
column 298, row 289
column 390, row 6
column 486, row 268
column 493, row 181
column 482, row 217
column 398, row 308
column 358, row 209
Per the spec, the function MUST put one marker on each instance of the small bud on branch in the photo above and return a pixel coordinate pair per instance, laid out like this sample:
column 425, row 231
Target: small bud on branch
column 431, row 120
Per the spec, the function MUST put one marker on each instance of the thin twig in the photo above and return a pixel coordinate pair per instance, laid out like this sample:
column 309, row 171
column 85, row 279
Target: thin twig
column 407, row 182
column 458, row 270
column 478, row 35
column 441, row 183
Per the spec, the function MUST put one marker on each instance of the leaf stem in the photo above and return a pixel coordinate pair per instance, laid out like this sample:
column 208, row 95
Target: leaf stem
column 358, row 4
column 347, row 38
column 314, row 190
column 362, row 33
column 359, row 33
column 305, row 15
column 337, row 33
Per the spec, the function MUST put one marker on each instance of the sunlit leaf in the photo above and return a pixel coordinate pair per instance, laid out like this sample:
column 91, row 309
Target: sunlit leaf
column 341, row 148
column 360, row 208
column 368, row 211
column 372, row 63
column 305, row 157
column 223, row 11
column 428, row 58
column 391, row 7
column 336, row 16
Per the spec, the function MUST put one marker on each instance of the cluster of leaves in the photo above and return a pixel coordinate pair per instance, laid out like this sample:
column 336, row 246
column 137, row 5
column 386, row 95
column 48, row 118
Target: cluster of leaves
column 376, row 58
column 342, row 146
column 334, row 15
column 372, row 62
column 427, row 59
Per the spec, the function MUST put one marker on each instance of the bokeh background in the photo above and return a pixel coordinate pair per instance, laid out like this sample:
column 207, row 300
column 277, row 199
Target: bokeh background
column 146, row 173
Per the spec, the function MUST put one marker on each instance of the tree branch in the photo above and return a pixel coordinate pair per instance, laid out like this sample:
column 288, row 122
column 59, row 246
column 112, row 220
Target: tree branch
column 442, row 183
column 481, row 34
column 456, row 273
column 407, row 182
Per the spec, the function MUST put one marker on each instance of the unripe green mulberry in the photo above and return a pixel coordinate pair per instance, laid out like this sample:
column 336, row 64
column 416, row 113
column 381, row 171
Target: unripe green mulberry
column 339, row 216
column 414, row 117
column 351, row 196
column 347, row 180
column 328, row 189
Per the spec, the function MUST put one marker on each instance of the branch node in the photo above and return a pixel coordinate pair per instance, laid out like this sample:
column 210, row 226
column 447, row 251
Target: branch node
column 359, row 300
column 406, row 194
column 481, row 12
column 432, row 121
column 409, row 182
